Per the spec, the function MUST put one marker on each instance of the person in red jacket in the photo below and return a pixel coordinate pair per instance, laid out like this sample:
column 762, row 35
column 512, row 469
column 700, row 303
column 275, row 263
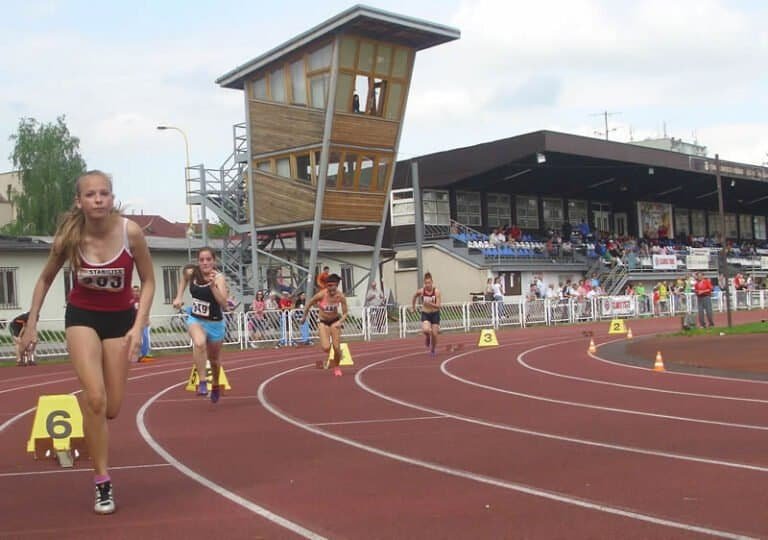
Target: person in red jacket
column 703, row 289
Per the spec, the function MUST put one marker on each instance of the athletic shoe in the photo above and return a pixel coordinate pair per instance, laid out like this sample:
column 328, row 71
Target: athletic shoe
column 433, row 354
column 202, row 388
column 105, row 501
column 215, row 394
column 337, row 371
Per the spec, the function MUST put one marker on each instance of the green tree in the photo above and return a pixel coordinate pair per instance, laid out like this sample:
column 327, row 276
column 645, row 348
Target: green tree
column 48, row 159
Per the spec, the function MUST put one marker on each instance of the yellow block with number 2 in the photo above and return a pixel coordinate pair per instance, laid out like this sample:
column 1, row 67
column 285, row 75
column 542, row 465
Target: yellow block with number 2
column 617, row 327
column 58, row 424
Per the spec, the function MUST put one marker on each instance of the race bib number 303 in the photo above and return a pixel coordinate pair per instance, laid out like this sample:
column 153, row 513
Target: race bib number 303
column 102, row 279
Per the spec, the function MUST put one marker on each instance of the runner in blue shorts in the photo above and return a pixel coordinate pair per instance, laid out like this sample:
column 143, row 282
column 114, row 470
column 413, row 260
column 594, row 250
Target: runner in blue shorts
column 205, row 317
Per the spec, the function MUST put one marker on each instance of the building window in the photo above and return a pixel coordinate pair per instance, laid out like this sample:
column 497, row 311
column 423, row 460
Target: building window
column 681, row 221
column 577, row 211
column 731, row 231
column 759, row 222
column 303, row 168
column 298, row 83
column 283, row 167
column 468, row 210
column 8, row 298
column 401, row 207
column 553, row 213
column 171, row 277
column 410, row 263
column 527, row 212
column 745, row 226
column 259, row 88
column 437, row 207
column 698, row 223
column 347, row 280
column 277, row 85
column 499, row 209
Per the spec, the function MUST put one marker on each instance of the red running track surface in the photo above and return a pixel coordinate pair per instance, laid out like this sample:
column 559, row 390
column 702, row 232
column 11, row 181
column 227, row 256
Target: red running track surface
column 534, row 438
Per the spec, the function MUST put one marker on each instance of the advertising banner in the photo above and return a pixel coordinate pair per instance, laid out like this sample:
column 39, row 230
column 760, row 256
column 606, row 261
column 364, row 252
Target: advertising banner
column 665, row 262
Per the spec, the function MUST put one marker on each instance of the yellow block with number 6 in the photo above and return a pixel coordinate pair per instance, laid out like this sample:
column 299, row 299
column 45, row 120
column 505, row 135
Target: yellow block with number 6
column 58, row 425
column 488, row 338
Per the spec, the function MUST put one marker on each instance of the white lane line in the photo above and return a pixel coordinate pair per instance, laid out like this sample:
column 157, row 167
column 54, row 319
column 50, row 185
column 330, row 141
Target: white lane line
column 545, row 435
column 636, row 387
column 675, row 373
column 216, row 488
column 467, row 475
column 62, row 471
column 589, row 405
column 380, row 421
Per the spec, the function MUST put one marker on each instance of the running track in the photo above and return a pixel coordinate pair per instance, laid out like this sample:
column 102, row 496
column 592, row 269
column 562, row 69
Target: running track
column 532, row 439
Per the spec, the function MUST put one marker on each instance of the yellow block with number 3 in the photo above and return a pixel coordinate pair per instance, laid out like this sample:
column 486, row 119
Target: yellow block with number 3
column 194, row 378
column 617, row 327
column 58, row 425
column 487, row 338
column 346, row 356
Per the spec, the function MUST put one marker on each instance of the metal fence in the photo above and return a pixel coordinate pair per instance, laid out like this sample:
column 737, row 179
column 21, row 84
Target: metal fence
column 285, row 329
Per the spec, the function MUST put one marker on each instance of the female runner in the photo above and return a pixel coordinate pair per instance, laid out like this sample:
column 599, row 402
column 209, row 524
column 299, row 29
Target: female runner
column 103, row 329
column 430, row 312
column 328, row 301
column 205, row 318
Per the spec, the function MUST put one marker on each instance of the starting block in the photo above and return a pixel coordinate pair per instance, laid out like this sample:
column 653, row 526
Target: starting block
column 346, row 356
column 194, row 378
column 57, row 429
column 488, row 338
column 617, row 327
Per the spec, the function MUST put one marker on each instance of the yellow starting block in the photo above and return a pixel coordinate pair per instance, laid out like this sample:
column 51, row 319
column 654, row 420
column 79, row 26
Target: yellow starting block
column 194, row 378
column 346, row 356
column 57, row 429
column 617, row 327
column 488, row 338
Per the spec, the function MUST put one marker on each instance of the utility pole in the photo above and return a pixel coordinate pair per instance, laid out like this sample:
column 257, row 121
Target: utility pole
column 725, row 288
column 605, row 115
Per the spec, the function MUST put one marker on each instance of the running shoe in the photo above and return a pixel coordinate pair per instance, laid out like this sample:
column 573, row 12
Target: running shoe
column 337, row 371
column 202, row 388
column 105, row 500
column 215, row 394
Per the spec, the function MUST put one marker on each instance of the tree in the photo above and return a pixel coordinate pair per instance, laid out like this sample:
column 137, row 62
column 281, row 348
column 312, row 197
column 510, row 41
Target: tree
column 48, row 159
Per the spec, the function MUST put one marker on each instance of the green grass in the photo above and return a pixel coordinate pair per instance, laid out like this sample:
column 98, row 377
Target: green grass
column 748, row 328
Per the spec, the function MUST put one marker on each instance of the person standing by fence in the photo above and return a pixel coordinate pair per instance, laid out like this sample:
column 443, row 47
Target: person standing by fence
column 703, row 290
column 103, row 329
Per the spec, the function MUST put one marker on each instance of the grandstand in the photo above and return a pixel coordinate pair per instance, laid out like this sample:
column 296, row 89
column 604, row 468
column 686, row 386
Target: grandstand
column 556, row 206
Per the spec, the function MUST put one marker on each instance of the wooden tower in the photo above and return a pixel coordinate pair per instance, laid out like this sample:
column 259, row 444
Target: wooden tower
column 324, row 116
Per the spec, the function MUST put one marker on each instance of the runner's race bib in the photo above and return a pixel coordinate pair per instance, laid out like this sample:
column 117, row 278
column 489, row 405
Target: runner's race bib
column 102, row 279
column 201, row 308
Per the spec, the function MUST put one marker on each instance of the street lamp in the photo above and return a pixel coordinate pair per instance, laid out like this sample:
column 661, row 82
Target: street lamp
column 190, row 228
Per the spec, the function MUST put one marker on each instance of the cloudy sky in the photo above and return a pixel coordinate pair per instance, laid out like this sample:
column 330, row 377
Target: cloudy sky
column 697, row 68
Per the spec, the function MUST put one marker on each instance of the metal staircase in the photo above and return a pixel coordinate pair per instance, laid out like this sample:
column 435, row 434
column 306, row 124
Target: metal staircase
column 224, row 191
column 614, row 282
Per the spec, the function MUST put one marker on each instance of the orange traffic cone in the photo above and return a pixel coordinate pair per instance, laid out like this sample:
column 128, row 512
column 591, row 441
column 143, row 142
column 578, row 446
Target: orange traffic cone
column 592, row 349
column 629, row 333
column 658, row 365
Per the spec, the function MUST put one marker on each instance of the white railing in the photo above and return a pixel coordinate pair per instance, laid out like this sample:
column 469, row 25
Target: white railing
column 284, row 329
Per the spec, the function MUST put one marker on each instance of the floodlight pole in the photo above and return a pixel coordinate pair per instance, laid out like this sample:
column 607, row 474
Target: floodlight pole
column 723, row 253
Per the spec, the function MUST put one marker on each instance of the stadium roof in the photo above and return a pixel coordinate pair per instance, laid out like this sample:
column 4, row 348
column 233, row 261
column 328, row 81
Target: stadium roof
column 571, row 166
column 371, row 22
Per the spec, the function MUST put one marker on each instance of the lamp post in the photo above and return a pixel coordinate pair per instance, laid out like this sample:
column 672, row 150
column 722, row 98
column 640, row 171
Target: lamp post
column 190, row 228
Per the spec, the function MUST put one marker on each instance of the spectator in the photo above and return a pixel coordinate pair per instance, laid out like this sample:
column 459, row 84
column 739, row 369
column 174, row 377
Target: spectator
column 375, row 301
column 17, row 329
column 584, row 230
column 703, row 290
column 322, row 278
column 257, row 324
